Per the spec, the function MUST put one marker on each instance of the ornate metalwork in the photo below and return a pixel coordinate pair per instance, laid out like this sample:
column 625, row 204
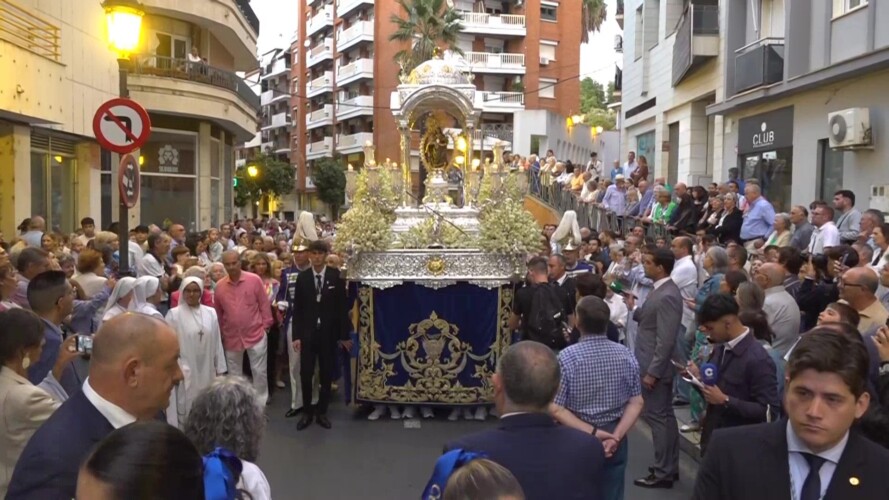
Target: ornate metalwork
column 386, row 269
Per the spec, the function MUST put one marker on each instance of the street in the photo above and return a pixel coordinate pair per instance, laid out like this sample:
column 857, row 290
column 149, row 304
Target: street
column 386, row 460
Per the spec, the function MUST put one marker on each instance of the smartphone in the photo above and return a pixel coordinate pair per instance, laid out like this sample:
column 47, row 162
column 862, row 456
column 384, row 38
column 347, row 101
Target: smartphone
column 85, row 344
column 679, row 366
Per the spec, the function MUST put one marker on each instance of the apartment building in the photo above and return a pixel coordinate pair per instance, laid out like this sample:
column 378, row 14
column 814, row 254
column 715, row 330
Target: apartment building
column 524, row 55
column 51, row 164
column 277, row 119
column 672, row 72
column 805, row 106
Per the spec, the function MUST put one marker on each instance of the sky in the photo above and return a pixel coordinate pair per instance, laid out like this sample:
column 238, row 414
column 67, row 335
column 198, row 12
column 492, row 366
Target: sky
column 278, row 23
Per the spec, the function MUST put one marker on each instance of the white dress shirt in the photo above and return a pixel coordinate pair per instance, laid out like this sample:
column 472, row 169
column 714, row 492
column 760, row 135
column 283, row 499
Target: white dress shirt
column 685, row 275
column 657, row 284
column 799, row 467
column 823, row 237
column 116, row 416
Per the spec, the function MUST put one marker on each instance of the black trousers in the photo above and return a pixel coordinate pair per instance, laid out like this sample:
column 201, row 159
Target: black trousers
column 323, row 352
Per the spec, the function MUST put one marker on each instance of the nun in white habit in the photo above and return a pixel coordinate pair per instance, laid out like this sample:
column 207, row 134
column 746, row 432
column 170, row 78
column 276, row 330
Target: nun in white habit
column 121, row 298
column 200, row 348
column 146, row 296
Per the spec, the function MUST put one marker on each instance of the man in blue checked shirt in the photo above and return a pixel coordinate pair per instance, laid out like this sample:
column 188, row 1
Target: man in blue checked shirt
column 600, row 392
column 759, row 217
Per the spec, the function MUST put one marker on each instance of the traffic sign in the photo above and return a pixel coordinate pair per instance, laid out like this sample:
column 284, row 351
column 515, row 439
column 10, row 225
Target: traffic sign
column 128, row 181
column 121, row 125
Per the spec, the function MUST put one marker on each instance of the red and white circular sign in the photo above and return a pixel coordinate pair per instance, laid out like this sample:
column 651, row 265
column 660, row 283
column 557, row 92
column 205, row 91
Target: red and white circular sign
column 121, row 125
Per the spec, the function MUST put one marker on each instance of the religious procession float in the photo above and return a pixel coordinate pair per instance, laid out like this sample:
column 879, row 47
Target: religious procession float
column 435, row 274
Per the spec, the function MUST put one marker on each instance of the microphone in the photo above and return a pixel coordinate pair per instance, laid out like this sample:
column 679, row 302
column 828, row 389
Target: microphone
column 708, row 374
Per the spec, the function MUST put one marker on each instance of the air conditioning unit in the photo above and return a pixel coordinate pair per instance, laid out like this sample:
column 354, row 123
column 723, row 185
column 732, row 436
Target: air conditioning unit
column 618, row 43
column 544, row 61
column 850, row 128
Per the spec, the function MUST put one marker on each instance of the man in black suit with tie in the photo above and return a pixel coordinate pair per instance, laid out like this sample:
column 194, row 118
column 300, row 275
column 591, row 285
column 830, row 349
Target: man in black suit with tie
column 549, row 461
column 320, row 321
column 815, row 454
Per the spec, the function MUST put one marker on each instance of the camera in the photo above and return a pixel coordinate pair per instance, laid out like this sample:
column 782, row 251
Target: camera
column 85, row 344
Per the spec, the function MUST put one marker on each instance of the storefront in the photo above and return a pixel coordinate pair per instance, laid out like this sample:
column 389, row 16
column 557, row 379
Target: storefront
column 765, row 153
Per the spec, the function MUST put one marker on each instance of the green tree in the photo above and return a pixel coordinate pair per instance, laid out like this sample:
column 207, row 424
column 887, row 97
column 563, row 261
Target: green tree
column 428, row 24
column 592, row 95
column 273, row 178
column 591, row 18
column 604, row 118
column 330, row 181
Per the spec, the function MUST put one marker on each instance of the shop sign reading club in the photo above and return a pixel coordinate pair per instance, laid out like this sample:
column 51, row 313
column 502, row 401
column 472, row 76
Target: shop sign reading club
column 765, row 138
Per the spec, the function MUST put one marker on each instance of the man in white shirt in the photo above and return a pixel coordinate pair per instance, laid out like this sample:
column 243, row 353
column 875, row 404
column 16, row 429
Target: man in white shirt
column 685, row 275
column 826, row 234
column 630, row 166
column 594, row 166
column 133, row 368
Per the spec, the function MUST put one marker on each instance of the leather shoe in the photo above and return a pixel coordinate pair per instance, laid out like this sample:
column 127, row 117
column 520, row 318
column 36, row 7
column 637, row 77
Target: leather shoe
column 323, row 422
column 292, row 412
column 675, row 475
column 304, row 422
column 651, row 481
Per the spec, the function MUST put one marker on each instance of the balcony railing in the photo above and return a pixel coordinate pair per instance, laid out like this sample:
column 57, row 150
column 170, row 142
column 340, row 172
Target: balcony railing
column 502, row 24
column 697, row 38
column 182, row 69
column 481, row 61
column 320, row 115
column 503, row 99
column 323, row 18
column 21, row 27
column 351, row 141
column 247, row 10
column 359, row 29
column 759, row 63
column 323, row 83
column 353, row 68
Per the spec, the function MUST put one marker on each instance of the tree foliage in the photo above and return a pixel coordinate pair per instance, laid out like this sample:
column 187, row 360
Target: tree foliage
column 604, row 118
column 427, row 24
column 591, row 18
column 330, row 181
column 592, row 95
column 274, row 177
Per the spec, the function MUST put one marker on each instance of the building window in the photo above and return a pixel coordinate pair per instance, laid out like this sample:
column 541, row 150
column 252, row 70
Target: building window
column 547, row 88
column 54, row 189
column 548, row 50
column 645, row 147
column 169, row 187
column 841, row 7
column 830, row 170
column 548, row 11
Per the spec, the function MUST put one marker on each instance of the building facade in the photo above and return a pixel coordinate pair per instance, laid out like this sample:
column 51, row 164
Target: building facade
column 800, row 79
column 524, row 55
column 199, row 109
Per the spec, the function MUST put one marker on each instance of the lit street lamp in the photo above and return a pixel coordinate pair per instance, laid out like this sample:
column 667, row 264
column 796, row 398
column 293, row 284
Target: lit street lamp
column 252, row 171
column 124, row 21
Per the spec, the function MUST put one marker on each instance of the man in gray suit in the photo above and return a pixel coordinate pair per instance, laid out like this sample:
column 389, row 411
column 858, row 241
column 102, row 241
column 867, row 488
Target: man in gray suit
column 658, row 328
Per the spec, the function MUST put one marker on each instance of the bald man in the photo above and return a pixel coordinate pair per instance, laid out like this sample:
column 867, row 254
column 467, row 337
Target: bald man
column 177, row 233
column 780, row 307
column 134, row 366
column 858, row 287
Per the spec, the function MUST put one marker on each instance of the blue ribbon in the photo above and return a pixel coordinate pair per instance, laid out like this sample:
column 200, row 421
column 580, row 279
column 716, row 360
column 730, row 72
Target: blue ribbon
column 444, row 467
column 219, row 479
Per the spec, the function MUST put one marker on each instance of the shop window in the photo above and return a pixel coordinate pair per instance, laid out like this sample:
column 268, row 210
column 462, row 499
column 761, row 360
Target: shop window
column 53, row 189
column 773, row 170
column 645, row 147
column 167, row 199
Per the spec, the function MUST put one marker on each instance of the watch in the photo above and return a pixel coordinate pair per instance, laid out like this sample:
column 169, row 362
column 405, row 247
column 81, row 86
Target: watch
column 595, row 429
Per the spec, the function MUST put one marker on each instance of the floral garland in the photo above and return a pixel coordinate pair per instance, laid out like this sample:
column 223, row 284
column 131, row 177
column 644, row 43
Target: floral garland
column 366, row 227
column 504, row 224
column 423, row 235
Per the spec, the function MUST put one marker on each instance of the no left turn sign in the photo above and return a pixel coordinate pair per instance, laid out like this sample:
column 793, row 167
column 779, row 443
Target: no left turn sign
column 121, row 125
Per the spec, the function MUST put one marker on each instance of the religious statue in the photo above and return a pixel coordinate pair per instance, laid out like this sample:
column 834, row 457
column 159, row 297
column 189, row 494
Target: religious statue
column 434, row 146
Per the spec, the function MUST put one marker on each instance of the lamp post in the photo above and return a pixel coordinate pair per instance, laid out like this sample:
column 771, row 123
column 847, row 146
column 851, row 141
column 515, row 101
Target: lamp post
column 124, row 21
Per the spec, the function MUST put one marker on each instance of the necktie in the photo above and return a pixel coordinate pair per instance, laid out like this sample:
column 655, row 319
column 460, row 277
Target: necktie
column 318, row 283
column 812, row 485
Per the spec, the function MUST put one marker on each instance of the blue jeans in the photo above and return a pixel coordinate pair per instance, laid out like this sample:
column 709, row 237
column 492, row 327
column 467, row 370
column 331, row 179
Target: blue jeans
column 615, row 468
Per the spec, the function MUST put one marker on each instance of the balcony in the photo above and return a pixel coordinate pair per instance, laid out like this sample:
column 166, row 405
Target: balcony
column 323, row 18
column 354, row 71
column 319, row 149
column 278, row 120
column 759, row 63
column 320, row 117
column 357, row 106
column 697, row 40
column 22, row 27
column 352, row 143
column 619, row 14
column 358, row 32
column 270, row 97
column 344, row 7
column 279, row 66
column 320, row 85
column 493, row 25
column 502, row 102
column 487, row 62
column 320, row 52
column 177, row 87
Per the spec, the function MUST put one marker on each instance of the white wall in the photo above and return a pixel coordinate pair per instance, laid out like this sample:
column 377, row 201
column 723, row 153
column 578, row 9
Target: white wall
column 575, row 144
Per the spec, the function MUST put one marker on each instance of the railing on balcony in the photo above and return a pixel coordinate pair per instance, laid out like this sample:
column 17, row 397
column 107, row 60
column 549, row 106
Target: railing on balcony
column 361, row 28
column 324, row 113
column 358, row 139
column 483, row 19
column 759, row 63
column 247, row 10
column 182, row 69
column 696, row 21
column 490, row 60
column 503, row 98
column 21, row 27
column 354, row 67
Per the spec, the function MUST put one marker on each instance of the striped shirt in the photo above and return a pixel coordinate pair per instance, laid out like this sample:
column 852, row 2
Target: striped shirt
column 599, row 377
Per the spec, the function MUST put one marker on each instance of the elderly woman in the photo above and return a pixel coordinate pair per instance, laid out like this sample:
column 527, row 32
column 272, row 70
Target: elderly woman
column 712, row 214
column 120, row 299
column 780, row 237
column 228, row 414
column 23, row 406
column 200, row 347
column 728, row 227
column 91, row 272
column 147, row 295
column 663, row 209
column 107, row 243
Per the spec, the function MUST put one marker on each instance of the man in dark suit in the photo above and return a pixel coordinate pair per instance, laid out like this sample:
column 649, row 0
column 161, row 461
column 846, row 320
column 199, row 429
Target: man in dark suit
column 746, row 388
column 558, row 274
column 813, row 455
column 320, row 321
column 659, row 320
column 133, row 368
column 549, row 461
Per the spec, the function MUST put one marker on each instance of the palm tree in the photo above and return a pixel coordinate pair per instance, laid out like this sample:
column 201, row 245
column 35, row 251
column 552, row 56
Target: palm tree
column 591, row 18
column 429, row 24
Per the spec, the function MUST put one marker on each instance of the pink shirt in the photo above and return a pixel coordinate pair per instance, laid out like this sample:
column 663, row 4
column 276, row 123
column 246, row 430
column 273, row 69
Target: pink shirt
column 244, row 311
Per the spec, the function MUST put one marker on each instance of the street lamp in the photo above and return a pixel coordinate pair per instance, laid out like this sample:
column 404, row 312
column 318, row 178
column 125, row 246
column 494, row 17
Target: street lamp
column 252, row 171
column 124, row 21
